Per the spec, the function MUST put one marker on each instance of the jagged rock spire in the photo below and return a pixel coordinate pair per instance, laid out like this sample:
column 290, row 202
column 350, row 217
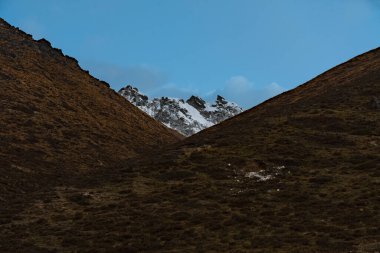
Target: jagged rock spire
column 187, row 117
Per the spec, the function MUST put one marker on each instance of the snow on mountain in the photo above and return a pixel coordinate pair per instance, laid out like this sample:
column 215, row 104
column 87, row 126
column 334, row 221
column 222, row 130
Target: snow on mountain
column 187, row 117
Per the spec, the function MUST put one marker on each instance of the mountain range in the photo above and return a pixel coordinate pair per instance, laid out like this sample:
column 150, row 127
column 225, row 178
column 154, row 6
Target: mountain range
column 84, row 170
column 187, row 117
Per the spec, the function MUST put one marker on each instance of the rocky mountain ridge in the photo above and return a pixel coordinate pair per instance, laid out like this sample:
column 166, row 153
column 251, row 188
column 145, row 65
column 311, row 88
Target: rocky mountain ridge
column 187, row 117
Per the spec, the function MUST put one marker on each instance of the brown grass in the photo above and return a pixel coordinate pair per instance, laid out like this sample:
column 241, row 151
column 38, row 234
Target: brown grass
column 190, row 196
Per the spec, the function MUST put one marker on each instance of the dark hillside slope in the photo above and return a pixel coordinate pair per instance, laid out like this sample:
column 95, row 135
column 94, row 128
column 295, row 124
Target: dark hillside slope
column 315, row 156
column 55, row 117
column 298, row 173
column 351, row 87
column 337, row 111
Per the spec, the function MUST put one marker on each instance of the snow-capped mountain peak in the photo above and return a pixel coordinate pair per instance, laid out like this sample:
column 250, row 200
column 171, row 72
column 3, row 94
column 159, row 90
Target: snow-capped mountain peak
column 187, row 117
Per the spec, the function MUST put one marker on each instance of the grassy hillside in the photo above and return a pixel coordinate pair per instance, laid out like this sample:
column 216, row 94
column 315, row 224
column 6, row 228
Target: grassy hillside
column 298, row 173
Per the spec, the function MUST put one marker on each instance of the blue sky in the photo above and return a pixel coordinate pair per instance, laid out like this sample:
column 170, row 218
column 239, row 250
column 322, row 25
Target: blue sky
column 245, row 50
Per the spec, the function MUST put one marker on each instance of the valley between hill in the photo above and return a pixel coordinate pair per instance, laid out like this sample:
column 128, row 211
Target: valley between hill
column 297, row 173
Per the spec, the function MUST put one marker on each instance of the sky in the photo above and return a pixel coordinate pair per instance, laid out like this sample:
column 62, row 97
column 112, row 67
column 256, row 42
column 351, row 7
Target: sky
column 244, row 50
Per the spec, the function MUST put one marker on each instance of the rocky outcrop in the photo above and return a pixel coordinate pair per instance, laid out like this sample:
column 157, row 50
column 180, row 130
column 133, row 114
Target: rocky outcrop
column 187, row 117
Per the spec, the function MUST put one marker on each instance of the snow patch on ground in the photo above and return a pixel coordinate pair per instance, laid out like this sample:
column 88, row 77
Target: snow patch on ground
column 259, row 175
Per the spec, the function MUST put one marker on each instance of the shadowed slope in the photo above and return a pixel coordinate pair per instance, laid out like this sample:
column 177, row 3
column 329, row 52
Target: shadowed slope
column 298, row 173
column 55, row 117
column 335, row 110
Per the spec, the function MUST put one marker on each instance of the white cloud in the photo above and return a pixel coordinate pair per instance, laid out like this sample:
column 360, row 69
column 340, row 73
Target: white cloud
column 244, row 92
column 142, row 76
column 173, row 90
column 275, row 88
column 155, row 83
column 240, row 83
